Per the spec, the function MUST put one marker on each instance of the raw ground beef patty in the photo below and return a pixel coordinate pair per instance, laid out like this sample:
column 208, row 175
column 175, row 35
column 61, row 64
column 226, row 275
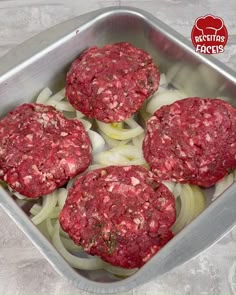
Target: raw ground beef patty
column 111, row 83
column 192, row 141
column 119, row 213
column 40, row 149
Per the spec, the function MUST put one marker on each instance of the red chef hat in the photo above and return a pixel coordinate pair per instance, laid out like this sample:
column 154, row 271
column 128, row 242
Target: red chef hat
column 209, row 25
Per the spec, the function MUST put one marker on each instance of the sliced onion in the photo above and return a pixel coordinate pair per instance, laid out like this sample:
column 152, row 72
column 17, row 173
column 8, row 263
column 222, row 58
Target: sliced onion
column 63, row 233
column 121, row 155
column 200, row 200
column 187, row 209
column 49, row 203
column 98, row 143
column 79, row 115
column 163, row 80
column 161, row 89
column 70, row 183
column 43, row 229
column 163, row 98
column 112, row 142
column 70, row 245
column 138, row 141
column 61, row 105
column 109, row 158
column 222, row 185
column 36, row 208
column 16, row 194
column 62, row 195
column 144, row 114
column 119, row 133
column 55, row 213
column 86, row 123
column 95, row 166
column 177, row 190
column 60, row 95
column 50, row 227
column 21, row 202
column 44, row 95
column 170, row 185
column 93, row 263
column 131, row 123
column 192, row 204
column 19, row 196
column 179, row 74
column 119, row 271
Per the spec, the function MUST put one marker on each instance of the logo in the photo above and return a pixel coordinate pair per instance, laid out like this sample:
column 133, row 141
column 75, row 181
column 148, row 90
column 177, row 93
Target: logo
column 209, row 34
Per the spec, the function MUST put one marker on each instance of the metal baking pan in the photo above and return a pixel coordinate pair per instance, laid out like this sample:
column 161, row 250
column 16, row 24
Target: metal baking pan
column 43, row 61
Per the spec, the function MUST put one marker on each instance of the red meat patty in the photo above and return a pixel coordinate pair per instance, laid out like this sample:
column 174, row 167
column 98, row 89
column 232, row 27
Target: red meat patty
column 192, row 141
column 40, row 150
column 111, row 83
column 120, row 213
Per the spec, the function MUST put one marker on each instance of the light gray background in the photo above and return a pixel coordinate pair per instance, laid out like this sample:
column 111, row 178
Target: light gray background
column 23, row 270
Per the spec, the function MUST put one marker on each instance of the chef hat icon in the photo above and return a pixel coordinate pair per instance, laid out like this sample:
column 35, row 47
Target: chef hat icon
column 209, row 24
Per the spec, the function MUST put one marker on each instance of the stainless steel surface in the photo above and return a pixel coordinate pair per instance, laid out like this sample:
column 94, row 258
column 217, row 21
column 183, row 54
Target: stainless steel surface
column 43, row 61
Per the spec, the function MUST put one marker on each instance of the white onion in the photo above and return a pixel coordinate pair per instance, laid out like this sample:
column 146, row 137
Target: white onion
column 49, row 203
column 200, row 200
column 177, row 190
column 60, row 95
column 55, row 212
column 119, row 271
column 222, row 185
column 170, row 185
column 112, row 142
column 50, row 227
column 86, row 123
column 63, row 233
column 172, row 72
column 36, row 208
column 109, row 158
column 192, row 204
column 61, row 105
column 138, row 140
column 163, row 98
column 70, row 183
column 163, row 80
column 70, row 245
column 43, row 229
column 132, row 123
column 98, row 143
column 143, row 112
column 95, row 166
column 160, row 89
column 178, row 75
column 120, row 133
column 121, row 155
column 44, row 96
column 93, row 263
column 79, row 115
column 18, row 195
column 62, row 195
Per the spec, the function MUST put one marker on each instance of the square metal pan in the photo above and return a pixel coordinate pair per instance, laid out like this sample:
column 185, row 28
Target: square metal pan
column 43, row 61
